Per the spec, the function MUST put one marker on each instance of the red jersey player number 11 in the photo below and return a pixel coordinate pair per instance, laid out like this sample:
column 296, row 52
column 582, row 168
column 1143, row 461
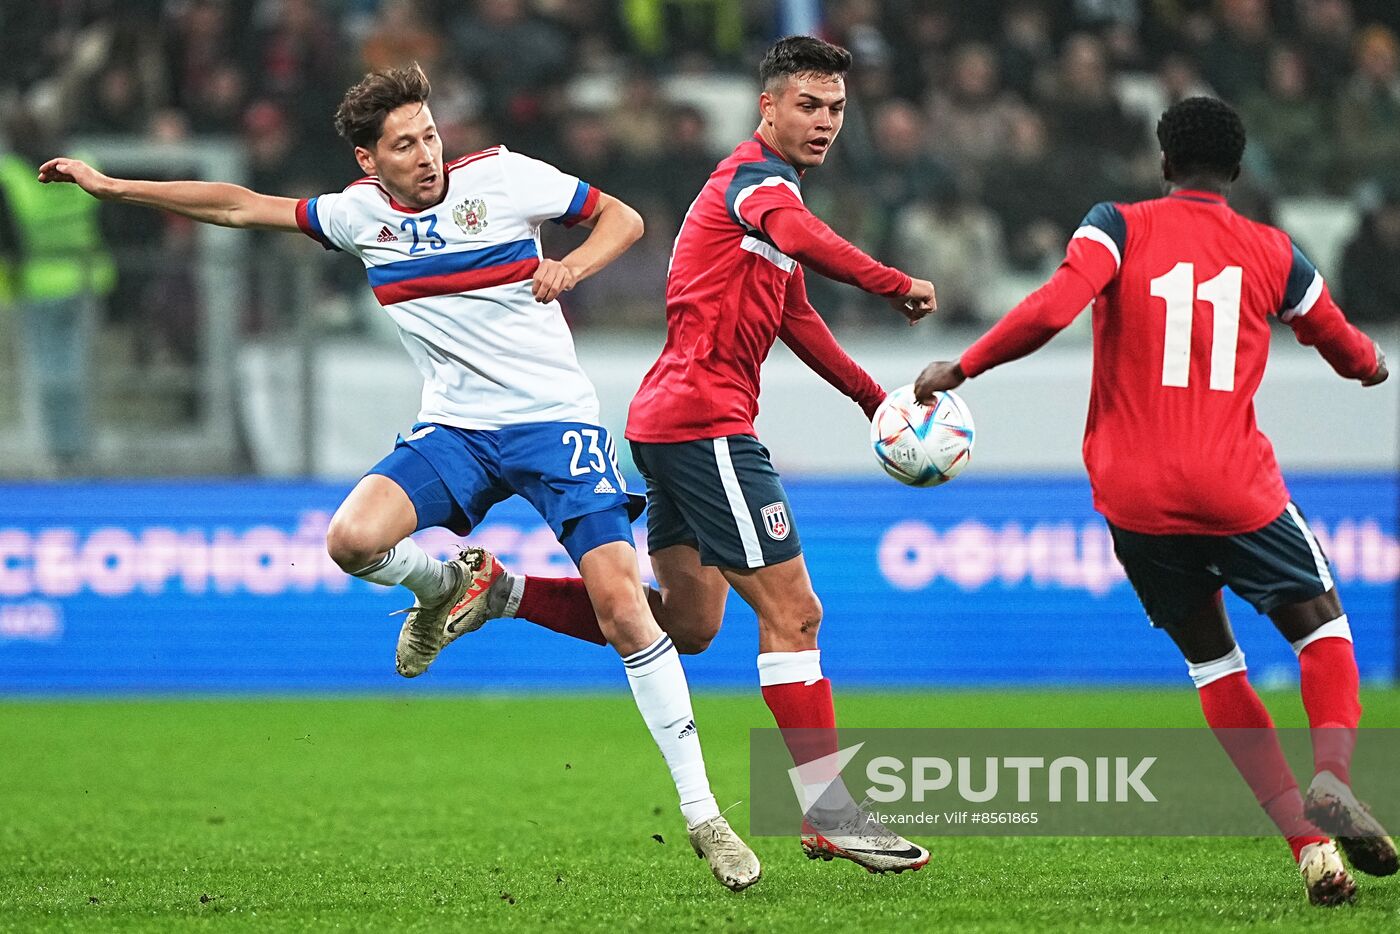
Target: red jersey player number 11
column 1183, row 291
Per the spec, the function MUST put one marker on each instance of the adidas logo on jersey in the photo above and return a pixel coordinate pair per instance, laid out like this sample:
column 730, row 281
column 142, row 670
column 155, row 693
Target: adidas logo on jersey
column 386, row 235
column 605, row 486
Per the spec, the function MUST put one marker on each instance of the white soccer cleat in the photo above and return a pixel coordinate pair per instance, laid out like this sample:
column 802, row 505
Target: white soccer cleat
column 1332, row 806
column 1324, row 876
column 465, row 609
column 733, row 863
column 856, row 835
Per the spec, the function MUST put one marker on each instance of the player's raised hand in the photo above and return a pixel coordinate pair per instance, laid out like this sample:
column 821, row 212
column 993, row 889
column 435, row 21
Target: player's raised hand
column 936, row 377
column 1381, row 374
column 552, row 278
column 76, row 172
column 918, row 302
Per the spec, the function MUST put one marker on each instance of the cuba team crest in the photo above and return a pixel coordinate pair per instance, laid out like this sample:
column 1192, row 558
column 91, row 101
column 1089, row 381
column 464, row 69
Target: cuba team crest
column 470, row 215
column 775, row 521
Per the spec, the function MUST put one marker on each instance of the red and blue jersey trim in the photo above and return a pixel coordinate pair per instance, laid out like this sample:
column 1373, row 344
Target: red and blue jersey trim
column 310, row 223
column 447, row 273
column 584, row 203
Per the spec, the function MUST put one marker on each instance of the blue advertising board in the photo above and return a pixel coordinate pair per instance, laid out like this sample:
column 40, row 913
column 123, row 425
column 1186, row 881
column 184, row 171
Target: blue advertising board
column 225, row 587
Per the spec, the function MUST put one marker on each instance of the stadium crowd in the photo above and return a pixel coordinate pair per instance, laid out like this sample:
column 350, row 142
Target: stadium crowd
column 977, row 136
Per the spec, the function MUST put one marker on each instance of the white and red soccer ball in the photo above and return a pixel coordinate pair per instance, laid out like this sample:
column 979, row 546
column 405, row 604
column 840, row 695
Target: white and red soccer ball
column 922, row 445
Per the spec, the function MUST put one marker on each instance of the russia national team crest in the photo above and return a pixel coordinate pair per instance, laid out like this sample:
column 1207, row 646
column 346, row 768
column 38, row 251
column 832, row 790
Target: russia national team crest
column 775, row 521
column 470, row 215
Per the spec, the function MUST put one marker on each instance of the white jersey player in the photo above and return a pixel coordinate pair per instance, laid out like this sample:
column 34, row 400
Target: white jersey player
column 452, row 253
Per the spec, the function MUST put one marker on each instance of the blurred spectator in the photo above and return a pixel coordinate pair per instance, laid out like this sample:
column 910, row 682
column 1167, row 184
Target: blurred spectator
column 1370, row 283
column 1086, row 118
column 1038, row 196
column 300, row 69
column 923, row 45
column 1236, row 59
column 216, row 104
column 1287, row 127
column 663, row 29
column 903, row 172
column 1368, row 113
column 956, row 242
column 970, row 122
column 1327, row 35
column 640, row 121
column 204, row 41
column 56, row 268
column 1027, row 47
column 589, row 153
column 513, row 56
column 672, row 176
column 400, row 34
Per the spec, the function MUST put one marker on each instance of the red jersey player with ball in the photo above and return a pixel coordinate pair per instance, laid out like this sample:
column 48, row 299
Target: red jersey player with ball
column 1183, row 290
column 717, row 513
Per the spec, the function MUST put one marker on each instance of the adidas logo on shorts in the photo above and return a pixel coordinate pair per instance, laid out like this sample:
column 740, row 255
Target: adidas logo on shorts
column 605, row 486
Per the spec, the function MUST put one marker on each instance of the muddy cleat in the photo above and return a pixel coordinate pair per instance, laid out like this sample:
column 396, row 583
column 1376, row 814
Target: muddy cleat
column 730, row 858
column 465, row 609
column 1324, row 876
column 856, row 835
column 1331, row 805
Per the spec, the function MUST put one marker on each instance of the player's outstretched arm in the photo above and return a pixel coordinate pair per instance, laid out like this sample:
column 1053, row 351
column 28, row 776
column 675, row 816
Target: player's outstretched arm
column 209, row 202
column 1342, row 344
column 616, row 226
column 807, row 335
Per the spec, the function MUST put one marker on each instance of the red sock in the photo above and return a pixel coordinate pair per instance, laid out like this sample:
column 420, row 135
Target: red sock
column 1242, row 724
column 807, row 718
column 560, row 604
column 1331, row 696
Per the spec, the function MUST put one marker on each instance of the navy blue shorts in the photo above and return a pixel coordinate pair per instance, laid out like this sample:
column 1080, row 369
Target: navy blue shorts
column 1174, row 575
column 720, row 495
column 566, row 470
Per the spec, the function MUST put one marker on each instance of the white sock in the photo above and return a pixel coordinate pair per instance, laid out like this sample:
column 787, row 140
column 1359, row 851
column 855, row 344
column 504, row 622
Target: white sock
column 663, row 697
column 413, row 567
column 503, row 599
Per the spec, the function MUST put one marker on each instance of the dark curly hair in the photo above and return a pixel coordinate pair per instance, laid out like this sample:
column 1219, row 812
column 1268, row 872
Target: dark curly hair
column 360, row 117
column 1202, row 134
column 802, row 55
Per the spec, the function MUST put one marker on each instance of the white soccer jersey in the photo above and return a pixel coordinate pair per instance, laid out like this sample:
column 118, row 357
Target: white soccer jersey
column 456, row 280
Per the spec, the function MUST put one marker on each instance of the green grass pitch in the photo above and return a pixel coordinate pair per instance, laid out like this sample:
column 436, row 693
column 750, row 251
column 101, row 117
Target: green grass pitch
column 554, row 813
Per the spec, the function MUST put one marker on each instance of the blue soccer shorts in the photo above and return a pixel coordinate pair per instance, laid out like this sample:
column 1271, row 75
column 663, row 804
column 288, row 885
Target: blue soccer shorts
column 566, row 470
column 721, row 495
column 1174, row 575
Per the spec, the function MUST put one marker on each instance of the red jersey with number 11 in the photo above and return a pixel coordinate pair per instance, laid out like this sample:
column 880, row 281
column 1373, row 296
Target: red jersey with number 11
column 1183, row 289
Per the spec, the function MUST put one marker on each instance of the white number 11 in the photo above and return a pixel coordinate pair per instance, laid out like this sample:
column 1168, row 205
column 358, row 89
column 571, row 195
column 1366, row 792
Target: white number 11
column 1223, row 294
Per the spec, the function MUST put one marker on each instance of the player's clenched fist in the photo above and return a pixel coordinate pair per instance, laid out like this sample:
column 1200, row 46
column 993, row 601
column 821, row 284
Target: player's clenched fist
column 552, row 278
column 77, row 172
column 937, row 377
column 918, row 302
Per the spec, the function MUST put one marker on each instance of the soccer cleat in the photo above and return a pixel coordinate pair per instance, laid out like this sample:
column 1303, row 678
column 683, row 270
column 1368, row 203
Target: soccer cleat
column 429, row 629
column 1331, row 805
column 855, row 835
column 730, row 859
column 1324, row 876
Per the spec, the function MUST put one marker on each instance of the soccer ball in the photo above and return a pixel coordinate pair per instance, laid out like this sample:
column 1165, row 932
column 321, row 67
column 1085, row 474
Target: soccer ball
column 922, row 445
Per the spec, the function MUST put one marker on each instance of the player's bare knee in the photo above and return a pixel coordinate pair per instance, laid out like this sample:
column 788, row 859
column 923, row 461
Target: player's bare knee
column 695, row 641
column 350, row 548
column 795, row 625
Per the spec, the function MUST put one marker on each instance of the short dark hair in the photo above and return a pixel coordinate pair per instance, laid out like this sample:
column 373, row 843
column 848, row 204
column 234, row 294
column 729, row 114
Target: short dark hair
column 802, row 55
column 1202, row 134
column 360, row 117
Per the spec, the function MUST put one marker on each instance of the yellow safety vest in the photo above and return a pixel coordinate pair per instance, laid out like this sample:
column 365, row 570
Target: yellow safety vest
column 61, row 252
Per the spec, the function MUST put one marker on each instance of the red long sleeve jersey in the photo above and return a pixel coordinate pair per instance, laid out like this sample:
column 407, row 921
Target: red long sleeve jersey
column 1182, row 289
column 734, row 287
